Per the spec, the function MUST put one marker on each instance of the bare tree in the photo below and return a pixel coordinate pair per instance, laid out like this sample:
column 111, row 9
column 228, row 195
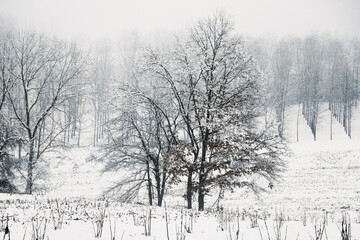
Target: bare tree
column 101, row 75
column 282, row 61
column 311, row 78
column 142, row 128
column 142, row 138
column 43, row 70
column 216, row 88
column 9, row 134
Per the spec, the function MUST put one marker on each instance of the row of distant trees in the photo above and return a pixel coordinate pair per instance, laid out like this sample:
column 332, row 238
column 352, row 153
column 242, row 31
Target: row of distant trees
column 311, row 71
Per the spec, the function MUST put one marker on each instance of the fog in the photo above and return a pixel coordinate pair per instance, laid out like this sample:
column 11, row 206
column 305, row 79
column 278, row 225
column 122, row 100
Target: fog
column 94, row 19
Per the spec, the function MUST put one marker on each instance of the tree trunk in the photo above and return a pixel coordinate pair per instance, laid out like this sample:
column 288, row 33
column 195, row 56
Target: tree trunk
column 331, row 125
column 79, row 133
column 202, row 176
column 158, row 183
column 149, row 183
column 349, row 119
column 189, row 189
column 201, row 196
column 29, row 180
column 297, row 124
column 95, row 128
column 162, row 192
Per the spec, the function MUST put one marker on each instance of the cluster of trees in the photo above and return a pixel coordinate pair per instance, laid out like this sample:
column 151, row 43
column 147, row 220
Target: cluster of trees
column 199, row 110
column 40, row 85
column 309, row 72
column 193, row 111
column 193, row 114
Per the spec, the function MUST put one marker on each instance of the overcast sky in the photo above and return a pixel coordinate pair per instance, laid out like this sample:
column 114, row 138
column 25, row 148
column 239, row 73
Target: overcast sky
column 92, row 19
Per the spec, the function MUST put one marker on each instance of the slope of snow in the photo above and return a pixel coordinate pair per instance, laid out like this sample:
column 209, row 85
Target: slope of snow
column 72, row 173
column 321, row 182
column 322, row 174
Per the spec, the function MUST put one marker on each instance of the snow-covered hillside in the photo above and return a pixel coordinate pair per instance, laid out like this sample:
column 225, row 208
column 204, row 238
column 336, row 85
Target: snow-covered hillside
column 320, row 174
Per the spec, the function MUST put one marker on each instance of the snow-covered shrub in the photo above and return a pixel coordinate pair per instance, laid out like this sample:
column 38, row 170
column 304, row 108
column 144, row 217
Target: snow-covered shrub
column 345, row 226
column 279, row 226
column 38, row 225
column 98, row 219
column 57, row 214
column 224, row 218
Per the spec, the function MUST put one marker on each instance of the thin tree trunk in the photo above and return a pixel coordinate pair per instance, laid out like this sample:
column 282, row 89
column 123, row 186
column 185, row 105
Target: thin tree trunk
column 189, row 189
column 297, row 124
column 202, row 176
column 95, row 128
column 163, row 183
column 29, row 180
column 79, row 133
column 349, row 119
column 150, row 195
column 201, row 196
column 331, row 126
column 158, row 183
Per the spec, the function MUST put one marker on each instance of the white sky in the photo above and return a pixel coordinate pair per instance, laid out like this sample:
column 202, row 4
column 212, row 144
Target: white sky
column 92, row 19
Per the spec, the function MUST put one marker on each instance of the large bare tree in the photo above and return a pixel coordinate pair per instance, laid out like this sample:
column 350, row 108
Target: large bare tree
column 216, row 86
column 42, row 70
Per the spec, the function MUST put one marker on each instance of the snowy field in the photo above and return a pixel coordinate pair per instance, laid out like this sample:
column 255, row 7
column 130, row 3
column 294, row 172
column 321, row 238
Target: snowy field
column 43, row 218
column 318, row 197
column 109, row 106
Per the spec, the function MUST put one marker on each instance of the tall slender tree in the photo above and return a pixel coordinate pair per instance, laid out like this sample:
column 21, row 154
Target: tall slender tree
column 42, row 70
column 311, row 78
column 282, row 61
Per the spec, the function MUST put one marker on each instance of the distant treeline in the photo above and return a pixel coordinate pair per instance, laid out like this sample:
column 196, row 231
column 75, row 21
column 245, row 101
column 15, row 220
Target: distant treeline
column 308, row 71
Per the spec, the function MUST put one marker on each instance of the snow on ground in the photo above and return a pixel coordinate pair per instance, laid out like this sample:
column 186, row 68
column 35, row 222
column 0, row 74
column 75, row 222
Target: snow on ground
column 72, row 173
column 321, row 182
column 43, row 218
column 320, row 175
column 325, row 173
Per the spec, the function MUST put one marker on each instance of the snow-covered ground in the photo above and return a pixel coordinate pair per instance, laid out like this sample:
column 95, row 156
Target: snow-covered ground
column 43, row 218
column 321, row 182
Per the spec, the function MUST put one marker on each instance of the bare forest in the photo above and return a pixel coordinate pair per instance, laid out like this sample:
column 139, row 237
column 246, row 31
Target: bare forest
column 207, row 108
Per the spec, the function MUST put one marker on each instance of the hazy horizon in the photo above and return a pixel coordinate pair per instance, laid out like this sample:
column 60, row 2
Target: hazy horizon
column 89, row 20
